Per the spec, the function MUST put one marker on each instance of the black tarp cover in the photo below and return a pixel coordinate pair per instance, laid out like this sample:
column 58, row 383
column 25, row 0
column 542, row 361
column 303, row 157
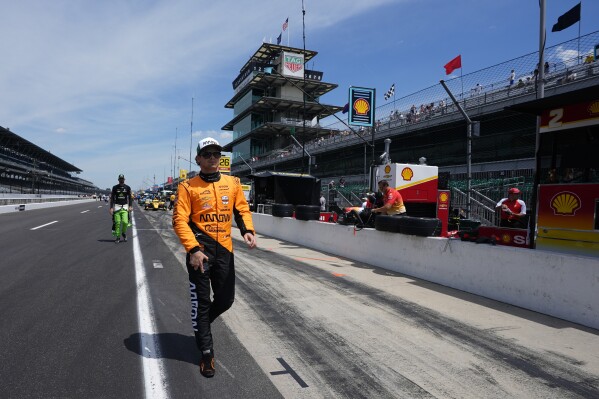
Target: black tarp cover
column 286, row 188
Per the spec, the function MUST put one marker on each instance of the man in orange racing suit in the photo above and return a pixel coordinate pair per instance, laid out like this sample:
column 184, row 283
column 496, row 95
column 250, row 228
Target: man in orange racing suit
column 202, row 217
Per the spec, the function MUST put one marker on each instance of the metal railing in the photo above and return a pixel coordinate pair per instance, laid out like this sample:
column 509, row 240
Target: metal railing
column 482, row 207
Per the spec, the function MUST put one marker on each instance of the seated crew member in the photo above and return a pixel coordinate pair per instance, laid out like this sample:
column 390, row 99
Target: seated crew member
column 393, row 202
column 512, row 209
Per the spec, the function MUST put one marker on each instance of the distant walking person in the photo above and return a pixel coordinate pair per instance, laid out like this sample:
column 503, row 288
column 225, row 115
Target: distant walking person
column 202, row 217
column 121, row 204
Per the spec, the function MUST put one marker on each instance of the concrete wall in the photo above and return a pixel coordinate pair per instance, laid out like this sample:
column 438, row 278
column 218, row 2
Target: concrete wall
column 555, row 284
column 40, row 205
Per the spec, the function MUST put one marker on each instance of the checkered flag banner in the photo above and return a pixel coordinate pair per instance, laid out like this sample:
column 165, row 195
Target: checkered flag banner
column 390, row 92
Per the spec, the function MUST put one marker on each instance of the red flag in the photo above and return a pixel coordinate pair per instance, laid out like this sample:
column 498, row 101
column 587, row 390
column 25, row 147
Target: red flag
column 453, row 65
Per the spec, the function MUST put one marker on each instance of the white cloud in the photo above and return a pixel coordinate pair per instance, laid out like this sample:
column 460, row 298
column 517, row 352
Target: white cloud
column 113, row 79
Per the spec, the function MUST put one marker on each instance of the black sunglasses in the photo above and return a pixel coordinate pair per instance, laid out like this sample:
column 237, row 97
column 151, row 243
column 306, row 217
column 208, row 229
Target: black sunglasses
column 208, row 154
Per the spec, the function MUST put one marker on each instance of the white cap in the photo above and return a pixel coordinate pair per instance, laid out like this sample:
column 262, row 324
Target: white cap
column 207, row 142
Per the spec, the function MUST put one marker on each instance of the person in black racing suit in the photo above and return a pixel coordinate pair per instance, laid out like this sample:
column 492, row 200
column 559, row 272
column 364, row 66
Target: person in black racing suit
column 121, row 204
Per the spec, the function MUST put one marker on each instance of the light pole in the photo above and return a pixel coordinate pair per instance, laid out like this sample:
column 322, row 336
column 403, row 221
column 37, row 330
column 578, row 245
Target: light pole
column 243, row 159
column 468, row 148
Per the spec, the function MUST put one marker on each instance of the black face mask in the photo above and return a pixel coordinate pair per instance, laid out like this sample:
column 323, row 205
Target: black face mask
column 210, row 177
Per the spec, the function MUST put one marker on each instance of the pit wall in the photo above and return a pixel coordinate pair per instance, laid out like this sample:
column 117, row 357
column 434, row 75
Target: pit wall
column 559, row 285
column 22, row 206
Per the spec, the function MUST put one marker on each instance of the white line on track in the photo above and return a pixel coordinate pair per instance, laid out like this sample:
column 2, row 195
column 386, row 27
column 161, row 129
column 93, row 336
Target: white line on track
column 85, row 211
column 154, row 373
column 44, row 225
column 224, row 368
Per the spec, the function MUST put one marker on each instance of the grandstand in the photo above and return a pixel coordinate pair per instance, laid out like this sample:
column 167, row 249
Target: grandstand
column 26, row 168
column 424, row 123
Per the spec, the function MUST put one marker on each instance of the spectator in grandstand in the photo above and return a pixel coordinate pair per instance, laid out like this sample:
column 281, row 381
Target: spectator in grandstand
column 589, row 59
column 512, row 78
column 546, row 67
column 442, row 107
column 552, row 176
column 512, row 210
column 393, row 201
column 341, row 183
column 570, row 76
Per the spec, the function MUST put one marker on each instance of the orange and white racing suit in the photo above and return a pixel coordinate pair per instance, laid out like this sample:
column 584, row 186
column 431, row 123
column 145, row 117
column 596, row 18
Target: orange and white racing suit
column 202, row 218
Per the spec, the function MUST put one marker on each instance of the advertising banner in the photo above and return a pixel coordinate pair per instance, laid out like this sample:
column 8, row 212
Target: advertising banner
column 416, row 183
column 567, row 218
column 292, row 64
column 224, row 165
column 361, row 106
column 570, row 116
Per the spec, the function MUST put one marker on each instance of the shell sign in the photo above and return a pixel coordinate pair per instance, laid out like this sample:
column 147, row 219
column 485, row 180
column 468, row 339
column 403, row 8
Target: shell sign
column 361, row 106
column 568, row 218
column 565, row 203
column 407, row 174
column 361, row 112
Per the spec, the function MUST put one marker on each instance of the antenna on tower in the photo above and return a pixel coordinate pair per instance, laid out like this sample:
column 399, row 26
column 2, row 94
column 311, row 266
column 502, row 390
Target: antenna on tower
column 191, row 135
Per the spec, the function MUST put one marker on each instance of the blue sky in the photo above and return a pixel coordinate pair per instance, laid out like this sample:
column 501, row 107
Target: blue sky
column 107, row 85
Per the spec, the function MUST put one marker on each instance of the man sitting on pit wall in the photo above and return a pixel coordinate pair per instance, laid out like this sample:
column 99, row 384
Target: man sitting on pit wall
column 512, row 209
column 393, row 201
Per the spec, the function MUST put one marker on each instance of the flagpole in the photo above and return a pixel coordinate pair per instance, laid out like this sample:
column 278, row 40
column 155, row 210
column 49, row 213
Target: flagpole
column 287, row 31
column 462, row 80
column 579, row 23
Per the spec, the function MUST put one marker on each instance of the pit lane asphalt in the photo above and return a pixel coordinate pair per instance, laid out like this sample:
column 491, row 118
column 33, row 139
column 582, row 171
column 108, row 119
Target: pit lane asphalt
column 305, row 323
column 69, row 313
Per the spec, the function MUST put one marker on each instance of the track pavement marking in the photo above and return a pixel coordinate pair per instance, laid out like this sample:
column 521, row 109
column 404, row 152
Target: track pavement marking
column 157, row 264
column 155, row 384
column 44, row 225
column 85, row 211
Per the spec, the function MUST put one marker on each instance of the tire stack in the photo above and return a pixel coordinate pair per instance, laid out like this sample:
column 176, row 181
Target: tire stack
column 282, row 210
column 417, row 226
column 307, row 212
column 302, row 212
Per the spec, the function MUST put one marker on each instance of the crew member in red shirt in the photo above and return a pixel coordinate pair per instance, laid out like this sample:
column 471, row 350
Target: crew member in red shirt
column 512, row 209
column 393, row 202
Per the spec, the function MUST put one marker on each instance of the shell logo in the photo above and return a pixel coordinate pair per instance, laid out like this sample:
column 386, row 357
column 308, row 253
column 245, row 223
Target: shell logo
column 565, row 203
column 387, row 169
column 407, row 174
column 361, row 106
column 594, row 108
column 506, row 238
column 443, row 197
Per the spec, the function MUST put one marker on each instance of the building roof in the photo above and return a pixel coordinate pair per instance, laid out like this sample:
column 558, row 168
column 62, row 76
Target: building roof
column 280, row 128
column 262, row 80
column 22, row 146
column 276, row 104
column 268, row 51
